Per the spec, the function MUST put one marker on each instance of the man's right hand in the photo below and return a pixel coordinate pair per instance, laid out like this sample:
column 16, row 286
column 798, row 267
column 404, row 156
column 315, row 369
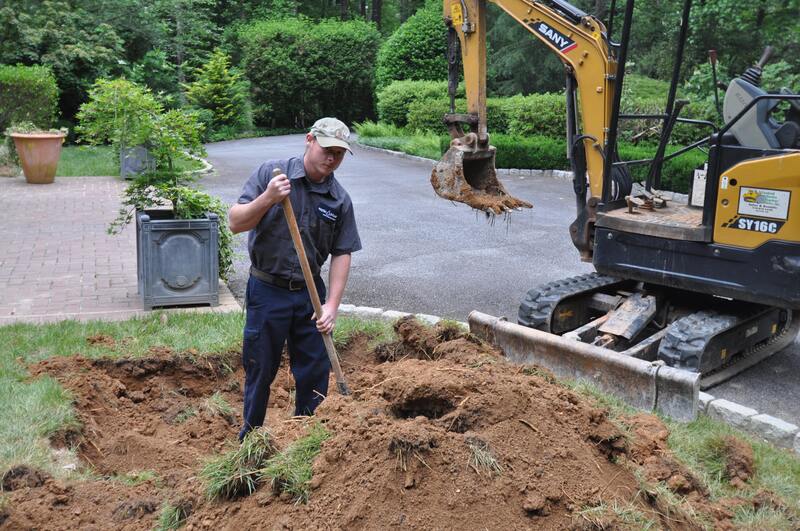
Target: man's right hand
column 278, row 188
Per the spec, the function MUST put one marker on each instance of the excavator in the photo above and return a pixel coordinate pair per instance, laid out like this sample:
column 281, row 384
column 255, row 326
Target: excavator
column 689, row 289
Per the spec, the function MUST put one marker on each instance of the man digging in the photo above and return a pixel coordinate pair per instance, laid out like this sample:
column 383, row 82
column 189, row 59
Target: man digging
column 279, row 310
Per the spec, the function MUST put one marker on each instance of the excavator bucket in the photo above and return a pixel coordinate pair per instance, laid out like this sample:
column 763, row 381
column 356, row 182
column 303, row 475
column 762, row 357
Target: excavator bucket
column 467, row 175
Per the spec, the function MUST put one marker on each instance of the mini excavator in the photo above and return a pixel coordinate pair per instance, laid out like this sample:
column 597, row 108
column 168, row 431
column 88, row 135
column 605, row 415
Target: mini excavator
column 689, row 289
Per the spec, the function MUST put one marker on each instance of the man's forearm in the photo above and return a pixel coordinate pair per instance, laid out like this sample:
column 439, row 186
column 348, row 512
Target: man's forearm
column 337, row 278
column 244, row 217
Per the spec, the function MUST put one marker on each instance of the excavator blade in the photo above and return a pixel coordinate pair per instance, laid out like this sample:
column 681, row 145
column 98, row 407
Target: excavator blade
column 468, row 176
column 641, row 384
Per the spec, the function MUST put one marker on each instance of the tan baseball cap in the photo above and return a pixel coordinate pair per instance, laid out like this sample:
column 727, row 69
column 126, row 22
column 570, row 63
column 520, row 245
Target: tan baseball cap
column 331, row 132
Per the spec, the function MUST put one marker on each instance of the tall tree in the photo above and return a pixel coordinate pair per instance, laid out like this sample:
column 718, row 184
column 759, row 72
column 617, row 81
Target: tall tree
column 190, row 33
column 377, row 8
column 76, row 44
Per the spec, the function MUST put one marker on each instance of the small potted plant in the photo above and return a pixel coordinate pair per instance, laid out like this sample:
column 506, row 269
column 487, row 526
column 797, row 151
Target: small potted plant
column 185, row 246
column 38, row 150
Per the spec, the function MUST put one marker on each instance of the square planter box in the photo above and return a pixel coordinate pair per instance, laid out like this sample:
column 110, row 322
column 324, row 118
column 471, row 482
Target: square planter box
column 177, row 259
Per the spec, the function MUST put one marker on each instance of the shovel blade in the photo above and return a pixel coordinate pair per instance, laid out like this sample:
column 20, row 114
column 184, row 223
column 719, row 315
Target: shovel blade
column 470, row 177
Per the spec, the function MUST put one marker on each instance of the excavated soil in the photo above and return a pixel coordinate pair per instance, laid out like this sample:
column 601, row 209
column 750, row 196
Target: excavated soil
column 403, row 451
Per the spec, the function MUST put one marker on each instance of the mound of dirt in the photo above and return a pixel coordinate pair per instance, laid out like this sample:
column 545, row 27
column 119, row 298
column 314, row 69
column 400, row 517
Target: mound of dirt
column 446, row 434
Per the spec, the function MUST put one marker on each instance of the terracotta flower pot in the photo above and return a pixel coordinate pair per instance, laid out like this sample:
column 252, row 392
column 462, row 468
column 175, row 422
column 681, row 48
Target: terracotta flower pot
column 39, row 154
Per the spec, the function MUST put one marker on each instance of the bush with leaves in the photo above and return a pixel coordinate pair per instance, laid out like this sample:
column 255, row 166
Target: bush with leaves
column 426, row 114
column 300, row 70
column 119, row 112
column 67, row 36
column 155, row 71
column 394, row 99
column 221, row 90
column 124, row 113
column 416, row 50
column 27, row 94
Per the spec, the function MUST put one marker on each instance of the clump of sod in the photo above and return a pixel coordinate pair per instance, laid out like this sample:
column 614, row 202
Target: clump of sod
column 482, row 457
column 173, row 516
column 237, row 472
column 290, row 470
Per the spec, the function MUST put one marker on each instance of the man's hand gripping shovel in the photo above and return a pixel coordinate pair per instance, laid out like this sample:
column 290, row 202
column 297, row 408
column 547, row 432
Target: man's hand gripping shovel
column 288, row 211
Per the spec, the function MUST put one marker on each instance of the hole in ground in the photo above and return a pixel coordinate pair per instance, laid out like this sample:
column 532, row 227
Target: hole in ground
column 430, row 406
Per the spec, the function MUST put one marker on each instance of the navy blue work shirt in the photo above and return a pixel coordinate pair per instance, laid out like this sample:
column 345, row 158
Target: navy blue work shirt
column 324, row 214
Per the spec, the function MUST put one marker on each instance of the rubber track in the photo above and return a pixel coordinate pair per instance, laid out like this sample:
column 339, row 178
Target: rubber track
column 537, row 307
column 693, row 332
column 687, row 338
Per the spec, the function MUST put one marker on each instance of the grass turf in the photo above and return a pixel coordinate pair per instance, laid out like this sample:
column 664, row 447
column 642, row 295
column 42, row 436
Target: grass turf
column 92, row 161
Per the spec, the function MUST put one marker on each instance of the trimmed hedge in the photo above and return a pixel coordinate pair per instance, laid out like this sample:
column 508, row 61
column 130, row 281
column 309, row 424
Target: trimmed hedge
column 27, row 94
column 295, row 78
column 536, row 114
column 542, row 152
column 416, row 50
column 395, row 99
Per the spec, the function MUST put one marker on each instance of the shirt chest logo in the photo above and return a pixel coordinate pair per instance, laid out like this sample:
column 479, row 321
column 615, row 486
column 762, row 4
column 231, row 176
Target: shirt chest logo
column 327, row 213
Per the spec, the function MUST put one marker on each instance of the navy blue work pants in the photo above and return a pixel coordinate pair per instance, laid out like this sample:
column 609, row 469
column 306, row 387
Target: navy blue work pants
column 276, row 316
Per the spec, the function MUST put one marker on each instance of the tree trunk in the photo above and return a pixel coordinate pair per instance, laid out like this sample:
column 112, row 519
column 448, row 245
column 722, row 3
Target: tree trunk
column 179, row 54
column 343, row 9
column 364, row 9
column 376, row 12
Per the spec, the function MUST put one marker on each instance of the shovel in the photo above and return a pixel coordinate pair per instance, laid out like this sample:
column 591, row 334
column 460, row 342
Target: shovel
column 288, row 211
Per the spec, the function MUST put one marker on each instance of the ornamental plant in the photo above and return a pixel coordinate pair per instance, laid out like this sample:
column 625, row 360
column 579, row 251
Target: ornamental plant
column 222, row 92
column 125, row 114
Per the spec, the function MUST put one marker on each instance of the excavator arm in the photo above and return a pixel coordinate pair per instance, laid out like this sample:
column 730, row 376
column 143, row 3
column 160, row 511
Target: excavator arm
column 466, row 172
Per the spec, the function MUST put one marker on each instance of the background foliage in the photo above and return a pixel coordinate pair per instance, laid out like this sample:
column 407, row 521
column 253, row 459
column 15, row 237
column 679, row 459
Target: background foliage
column 27, row 94
column 300, row 70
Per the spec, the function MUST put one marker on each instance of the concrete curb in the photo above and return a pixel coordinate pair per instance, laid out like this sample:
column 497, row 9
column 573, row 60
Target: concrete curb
column 778, row 432
column 205, row 170
column 511, row 172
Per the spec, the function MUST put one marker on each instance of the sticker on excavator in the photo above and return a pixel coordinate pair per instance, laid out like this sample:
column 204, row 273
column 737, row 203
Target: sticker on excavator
column 764, row 202
column 559, row 40
column 456, row 14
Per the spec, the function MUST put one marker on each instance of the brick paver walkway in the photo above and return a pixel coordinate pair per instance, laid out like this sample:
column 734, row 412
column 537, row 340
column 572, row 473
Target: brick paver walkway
column 56, row 259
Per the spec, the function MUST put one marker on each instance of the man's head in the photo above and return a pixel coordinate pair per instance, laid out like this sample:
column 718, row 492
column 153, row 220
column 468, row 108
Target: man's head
column 331, row 132
column 326, row 143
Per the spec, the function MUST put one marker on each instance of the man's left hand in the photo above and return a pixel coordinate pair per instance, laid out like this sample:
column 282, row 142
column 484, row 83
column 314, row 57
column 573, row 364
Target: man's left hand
column 327, row 320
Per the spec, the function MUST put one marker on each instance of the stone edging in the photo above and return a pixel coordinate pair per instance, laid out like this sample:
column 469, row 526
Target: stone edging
column 774, row 430
column 511, row 172
column 205, row 170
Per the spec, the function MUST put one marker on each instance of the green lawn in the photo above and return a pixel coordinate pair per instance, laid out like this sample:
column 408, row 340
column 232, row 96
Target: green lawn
column 90, row 161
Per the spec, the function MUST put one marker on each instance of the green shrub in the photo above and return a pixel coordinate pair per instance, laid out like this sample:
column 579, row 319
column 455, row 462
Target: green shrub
column 222, row 92
column 426, row 114
column 395, row 99
column 537, row 114
column 119, row 112
column 296, row 77
column 27, row 94
column 416, row 50
column 538, row 152
column 155, row 71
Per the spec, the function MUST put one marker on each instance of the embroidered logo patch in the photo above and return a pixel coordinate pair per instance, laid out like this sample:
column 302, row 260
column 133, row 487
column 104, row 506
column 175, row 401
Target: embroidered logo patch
column 326, row 213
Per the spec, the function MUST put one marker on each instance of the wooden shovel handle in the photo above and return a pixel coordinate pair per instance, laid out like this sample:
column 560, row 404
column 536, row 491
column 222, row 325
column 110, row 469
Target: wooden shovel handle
column 288, row 212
